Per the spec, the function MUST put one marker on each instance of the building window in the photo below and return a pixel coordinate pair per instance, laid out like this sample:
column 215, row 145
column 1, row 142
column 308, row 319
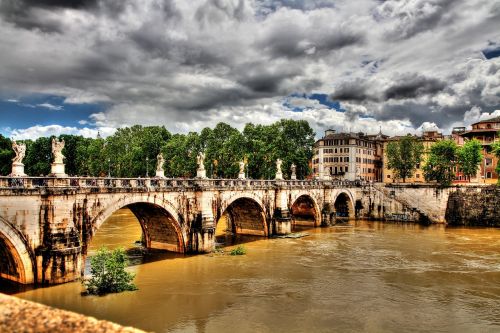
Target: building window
column 488, row 175
column 418, row 175
column 346, row 169
column 388, row 176
column 488, row 161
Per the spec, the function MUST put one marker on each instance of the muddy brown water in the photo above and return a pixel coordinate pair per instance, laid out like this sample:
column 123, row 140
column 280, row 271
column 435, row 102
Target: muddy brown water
column 362, row 276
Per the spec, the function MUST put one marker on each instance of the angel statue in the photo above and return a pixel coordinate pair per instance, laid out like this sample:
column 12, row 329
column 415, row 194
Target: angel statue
column 160, row 161
column 242, row 167
column 200, row 159
column 20, row 150
column 278, row 166
column 57, row 147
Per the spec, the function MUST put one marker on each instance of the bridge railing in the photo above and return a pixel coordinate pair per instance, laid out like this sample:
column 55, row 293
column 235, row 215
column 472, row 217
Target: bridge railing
column 159, row 183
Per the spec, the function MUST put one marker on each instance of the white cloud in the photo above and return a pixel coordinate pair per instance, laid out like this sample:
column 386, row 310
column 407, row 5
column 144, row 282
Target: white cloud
column 38, row 131
column 50, row 106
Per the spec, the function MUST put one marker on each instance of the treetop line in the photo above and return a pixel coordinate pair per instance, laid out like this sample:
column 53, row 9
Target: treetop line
column 278, row 151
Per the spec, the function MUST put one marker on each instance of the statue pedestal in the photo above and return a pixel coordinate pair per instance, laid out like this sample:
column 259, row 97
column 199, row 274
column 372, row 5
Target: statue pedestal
column 201, row 173
column 293, row 176
column 241, row 175
column 17, row 170
column 279, row 176
column 57, row 170
column 160, row 174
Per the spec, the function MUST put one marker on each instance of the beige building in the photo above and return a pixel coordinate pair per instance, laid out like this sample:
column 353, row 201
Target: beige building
column 349, row 156
column 428, row 138
column 486, row 131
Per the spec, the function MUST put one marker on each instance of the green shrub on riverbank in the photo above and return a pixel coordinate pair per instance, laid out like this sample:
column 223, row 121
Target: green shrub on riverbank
column 108, row 273
column 239, row 251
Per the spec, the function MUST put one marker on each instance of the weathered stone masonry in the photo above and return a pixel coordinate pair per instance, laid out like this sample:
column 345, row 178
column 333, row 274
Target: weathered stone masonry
column 46, row 224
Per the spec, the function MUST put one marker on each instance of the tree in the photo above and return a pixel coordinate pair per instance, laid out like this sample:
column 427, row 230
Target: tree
column 6, row 155
column 108, row 273
column 70, row 151
column 441, row 162
column 496, row 151
column 180, row 155
column 469, row 157
column 404, row 155
column 38, row 156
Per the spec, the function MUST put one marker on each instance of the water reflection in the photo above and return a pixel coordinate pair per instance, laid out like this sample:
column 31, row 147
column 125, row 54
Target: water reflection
column 363, row 276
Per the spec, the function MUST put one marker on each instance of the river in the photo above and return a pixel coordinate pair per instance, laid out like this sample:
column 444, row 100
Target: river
column 364, row 276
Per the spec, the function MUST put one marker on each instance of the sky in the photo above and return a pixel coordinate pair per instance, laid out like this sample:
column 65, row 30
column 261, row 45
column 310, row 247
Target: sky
column 400, row 66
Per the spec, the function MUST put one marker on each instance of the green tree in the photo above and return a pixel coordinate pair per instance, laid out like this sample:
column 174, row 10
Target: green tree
column 6, row 155
column 90, row 158
column 496, row 151
column 108, row 273
column 404, row 155
column 469, row 157
column 180, row 155
column 38, row 156
column 132, row 151
column 70, row 152
column 441, row 162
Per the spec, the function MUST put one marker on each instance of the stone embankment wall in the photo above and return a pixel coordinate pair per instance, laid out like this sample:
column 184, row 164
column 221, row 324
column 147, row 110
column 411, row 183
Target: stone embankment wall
column 474, row 207
column 406, row 202
column 17, row 315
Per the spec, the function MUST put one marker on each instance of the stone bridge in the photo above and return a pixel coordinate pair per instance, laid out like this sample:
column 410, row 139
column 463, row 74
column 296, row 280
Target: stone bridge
column 46, row 224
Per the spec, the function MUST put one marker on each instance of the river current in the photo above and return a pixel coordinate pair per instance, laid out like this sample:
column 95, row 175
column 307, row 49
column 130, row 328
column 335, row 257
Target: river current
column 362, row 276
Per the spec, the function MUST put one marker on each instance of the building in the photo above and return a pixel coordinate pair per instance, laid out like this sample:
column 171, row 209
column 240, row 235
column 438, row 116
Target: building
column 428, row 138
column 349, row 156
column 486, row 132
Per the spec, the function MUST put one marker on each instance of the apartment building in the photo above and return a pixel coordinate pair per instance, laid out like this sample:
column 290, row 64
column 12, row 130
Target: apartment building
column 486, row 132
column 349, row 156
column 428, row 138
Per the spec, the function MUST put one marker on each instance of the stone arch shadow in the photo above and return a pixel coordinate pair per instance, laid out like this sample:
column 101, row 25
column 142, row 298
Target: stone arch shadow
column 344, row 206
column 305, row 211
column 159, row 222
column 17, row 262
column 243, row 215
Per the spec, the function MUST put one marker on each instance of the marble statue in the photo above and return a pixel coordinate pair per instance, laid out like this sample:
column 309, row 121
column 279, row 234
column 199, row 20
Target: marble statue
column 242, row 167
column 293, row 167
column 279, row 174
column 160, row 161
column 20, row 150
column 200, row 159
column 57, row 147
column 278, row 165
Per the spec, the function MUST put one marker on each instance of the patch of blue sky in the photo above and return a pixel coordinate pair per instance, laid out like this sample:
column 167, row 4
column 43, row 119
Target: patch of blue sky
column 492, row 51
column 43, row 110
column 323, row 99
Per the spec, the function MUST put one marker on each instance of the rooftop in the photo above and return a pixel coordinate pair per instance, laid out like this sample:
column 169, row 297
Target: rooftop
column 491, row 120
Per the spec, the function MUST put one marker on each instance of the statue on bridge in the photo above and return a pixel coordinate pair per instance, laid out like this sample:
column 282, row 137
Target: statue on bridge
column 200, row 160
column 279, row 174
column 17, row 161
column 241, row 174
column 57, row 147
column 293, row 167
column 20, row 150
column 160, row 161
column 57, row 167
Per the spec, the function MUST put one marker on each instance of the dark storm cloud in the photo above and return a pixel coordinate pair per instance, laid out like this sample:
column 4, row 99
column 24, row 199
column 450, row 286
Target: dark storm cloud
column 290, row 40
column 352, row 91
column 413, row 86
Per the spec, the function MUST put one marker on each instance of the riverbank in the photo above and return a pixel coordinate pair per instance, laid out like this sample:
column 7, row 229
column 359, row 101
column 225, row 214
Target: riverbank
column 17, row 315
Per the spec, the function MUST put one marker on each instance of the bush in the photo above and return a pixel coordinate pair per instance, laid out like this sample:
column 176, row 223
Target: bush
column 239, row 251
column 108, row 273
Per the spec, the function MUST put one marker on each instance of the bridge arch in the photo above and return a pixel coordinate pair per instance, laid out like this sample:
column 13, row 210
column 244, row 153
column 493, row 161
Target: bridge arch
column 344, row 205
column 159, row 221
column 16, row 260
column 305, row 211
column 244, row 214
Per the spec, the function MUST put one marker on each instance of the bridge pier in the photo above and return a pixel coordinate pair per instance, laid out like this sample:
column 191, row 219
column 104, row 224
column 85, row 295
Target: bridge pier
column 282, row 218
